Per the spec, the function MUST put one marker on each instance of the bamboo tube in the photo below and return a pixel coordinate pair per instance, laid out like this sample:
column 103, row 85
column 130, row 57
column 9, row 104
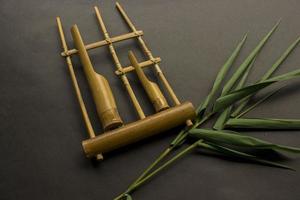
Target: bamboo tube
column 104, row 42
column 157, row 98
column 102, row 94
column 86, row 118
column 119, row 66
column 141, row 64
column 149, row 54
column 138, row 130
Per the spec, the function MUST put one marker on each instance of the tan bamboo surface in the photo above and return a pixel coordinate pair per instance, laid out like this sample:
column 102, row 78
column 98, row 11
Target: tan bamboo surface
column 99, row 86
column 149, row 54
column 76, row 87
column 105, row 42
column 119, row 66
column 141, row 64
column 155, row 95
column 138, row 130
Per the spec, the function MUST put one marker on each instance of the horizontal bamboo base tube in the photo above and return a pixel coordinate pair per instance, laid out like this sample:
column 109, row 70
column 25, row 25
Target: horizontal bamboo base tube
column 141, row 129
column 104, row 42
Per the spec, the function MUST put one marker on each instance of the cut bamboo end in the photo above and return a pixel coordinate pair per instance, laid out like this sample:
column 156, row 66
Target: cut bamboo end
column 189, row 123
column 139, row 130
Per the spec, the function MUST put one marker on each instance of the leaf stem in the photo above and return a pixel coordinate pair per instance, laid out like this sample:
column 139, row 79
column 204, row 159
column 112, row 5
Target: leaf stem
column 169, row 162
column 149, row 168
column 180, row 137
column 162, row 155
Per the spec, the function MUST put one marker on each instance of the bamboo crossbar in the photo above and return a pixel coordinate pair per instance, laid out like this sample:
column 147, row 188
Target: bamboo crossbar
column 104, row 42
column 150, row 56
column 86, row 118
column 124, row 79
column 142, row 64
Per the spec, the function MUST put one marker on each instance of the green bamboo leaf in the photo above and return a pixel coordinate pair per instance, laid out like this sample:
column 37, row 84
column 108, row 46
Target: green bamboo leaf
column 222, row 119
column 243, row 67
column 225, row 137
column 268, row 74
column 235, row 153
column 237, row 95
column 286, row 76
column 280, row 60
column 263, row 99
column 231, row 98
column 243, row 80
column 263, row 123
column 220, row 77
column 224, row 116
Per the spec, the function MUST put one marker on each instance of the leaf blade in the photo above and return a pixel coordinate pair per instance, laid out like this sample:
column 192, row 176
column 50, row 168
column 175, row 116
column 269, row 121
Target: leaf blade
column 220, row 77
column 237, row 95
column 243, row 67
column 238, row 140
column 240, row 154
column 225, row 115
column 266, row 97
column 263, row 123
column 268, row 74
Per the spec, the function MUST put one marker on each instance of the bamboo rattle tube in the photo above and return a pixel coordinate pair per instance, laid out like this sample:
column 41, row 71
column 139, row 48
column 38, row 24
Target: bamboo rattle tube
column 157, row 98
column 101, row 91
column 141, row 129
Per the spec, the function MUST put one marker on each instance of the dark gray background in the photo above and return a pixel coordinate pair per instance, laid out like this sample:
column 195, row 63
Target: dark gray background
column 41, row 124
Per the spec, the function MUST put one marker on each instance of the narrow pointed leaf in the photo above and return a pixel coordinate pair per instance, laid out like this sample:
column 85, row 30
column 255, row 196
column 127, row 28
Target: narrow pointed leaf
column 243, row 67
column 220, row 77
column 231, row 98
column 223, row 137
column 280, row 60
column 239, row 154
column 267, row 96
column 268, row 74
column 222, row 119
column 237, row 95
column 263, row 123
column 243, row 80
column 224, row 116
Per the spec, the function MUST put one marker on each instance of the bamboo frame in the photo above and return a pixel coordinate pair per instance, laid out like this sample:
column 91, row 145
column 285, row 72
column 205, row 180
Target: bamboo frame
column 150, row 56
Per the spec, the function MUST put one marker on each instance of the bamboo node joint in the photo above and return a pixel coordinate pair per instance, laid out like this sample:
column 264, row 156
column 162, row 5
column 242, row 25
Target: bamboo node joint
column 108, row 40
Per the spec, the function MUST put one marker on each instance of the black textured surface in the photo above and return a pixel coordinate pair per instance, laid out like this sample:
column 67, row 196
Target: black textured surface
column 41, row 125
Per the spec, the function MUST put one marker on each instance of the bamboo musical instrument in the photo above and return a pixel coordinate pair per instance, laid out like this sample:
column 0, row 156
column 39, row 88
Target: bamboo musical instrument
column 115, row 134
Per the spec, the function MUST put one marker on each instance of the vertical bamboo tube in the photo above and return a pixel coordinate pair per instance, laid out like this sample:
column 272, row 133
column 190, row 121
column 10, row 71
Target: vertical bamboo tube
column 157, row 98
column 76, row 87
column 118, row 65
column 101, row 91
column 149, row 54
